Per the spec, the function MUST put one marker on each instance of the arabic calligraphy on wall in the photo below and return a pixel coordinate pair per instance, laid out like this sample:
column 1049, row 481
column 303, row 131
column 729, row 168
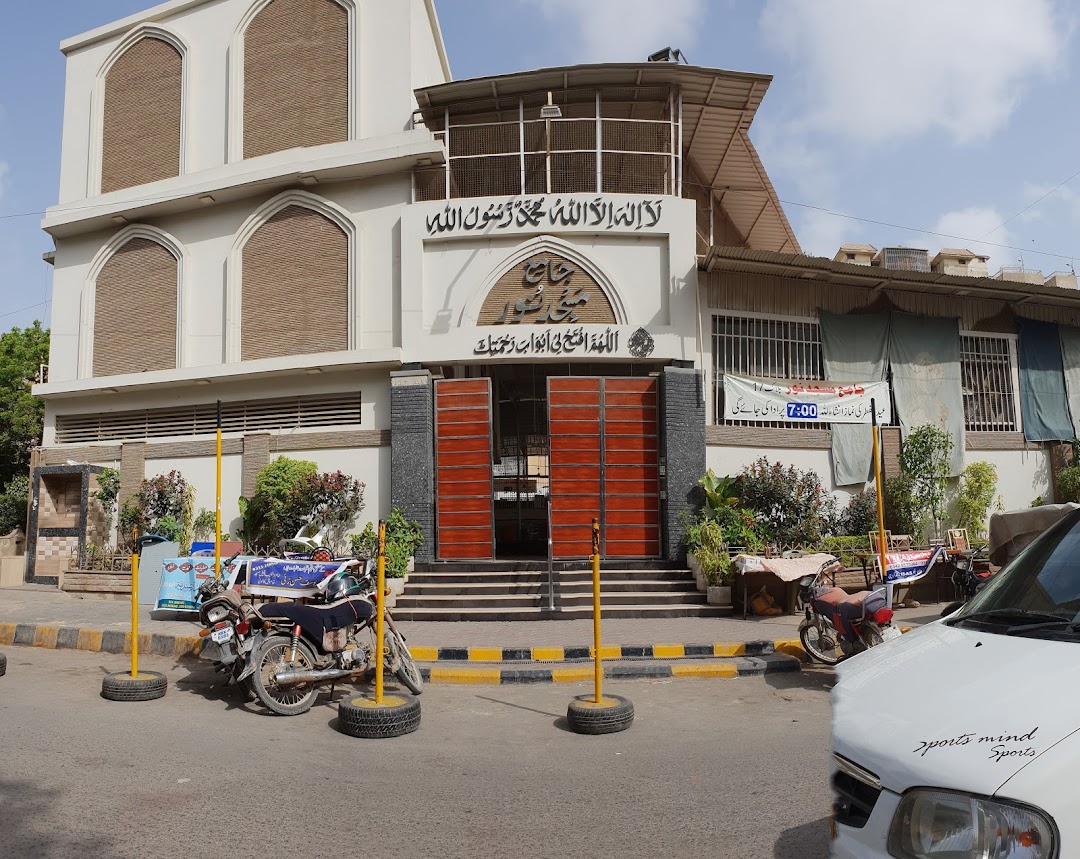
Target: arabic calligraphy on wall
column 546, row 289
column 561, row 341
column 539, row 212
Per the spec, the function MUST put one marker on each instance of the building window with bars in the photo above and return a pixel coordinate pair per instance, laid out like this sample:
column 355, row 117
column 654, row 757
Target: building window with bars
column 764, row 349
column 987, row 366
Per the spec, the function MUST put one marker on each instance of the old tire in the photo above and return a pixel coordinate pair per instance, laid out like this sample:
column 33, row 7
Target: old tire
column 146, row 686
column 362, row 717
column 3, row 665
column 613, row 714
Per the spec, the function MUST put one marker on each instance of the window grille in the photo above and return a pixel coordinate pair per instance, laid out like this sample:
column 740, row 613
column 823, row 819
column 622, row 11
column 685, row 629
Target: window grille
column 250, row 416
column 764, row 349
column 986, row 370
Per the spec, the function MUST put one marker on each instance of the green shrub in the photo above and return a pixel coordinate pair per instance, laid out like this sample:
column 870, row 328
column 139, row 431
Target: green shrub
column 845, row 548
column 924, row 457
column 976, row 493
column 269, row 515
column 712, row 554
column 13, row 502
column 1068, row 484
column 860, row 517
column 787, row 503
column 402, row 539
column 903, row 513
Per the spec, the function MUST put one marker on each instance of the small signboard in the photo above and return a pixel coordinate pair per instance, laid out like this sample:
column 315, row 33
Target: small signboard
column 906, row 567
column 277, row 577
column 181, row 578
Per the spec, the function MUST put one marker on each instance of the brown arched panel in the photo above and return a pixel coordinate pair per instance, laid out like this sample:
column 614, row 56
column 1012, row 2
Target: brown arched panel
column 141, row 117
column 135, row 310
column 296, row 76
column 295, row 292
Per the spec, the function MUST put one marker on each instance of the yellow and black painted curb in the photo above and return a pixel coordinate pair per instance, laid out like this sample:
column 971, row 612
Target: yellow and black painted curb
column 97, row 640
column 583, row 653
column 752, row 666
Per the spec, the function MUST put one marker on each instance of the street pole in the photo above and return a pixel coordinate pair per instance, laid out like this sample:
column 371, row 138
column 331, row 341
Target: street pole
column 880, row 503
column 217, row 503
column 599, row 672
column 135, row 604
column 380, row 608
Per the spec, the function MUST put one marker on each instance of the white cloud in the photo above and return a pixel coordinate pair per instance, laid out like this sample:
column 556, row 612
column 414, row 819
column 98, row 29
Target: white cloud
column 625, row 30
column 876, row 70
column 821, row 234
column 4, row 170
column 963, row 227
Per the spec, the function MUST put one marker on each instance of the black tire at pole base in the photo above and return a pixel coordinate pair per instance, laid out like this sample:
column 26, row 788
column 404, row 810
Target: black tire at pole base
column 121, row 686
column 3, row 665
column 362, row 717
column 613, row 714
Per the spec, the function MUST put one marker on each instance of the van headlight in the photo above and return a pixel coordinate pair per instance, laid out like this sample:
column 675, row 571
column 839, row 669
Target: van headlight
column 941, row 824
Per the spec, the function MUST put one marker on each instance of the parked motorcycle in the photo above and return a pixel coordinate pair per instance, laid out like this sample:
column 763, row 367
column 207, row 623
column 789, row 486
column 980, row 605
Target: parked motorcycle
column 967, row 581
column 227, row 625
column 308, row 646
column 837, row 624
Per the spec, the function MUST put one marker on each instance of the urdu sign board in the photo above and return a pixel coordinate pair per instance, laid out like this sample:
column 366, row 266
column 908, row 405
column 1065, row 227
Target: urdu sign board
column 807, row 402
column 597, row 212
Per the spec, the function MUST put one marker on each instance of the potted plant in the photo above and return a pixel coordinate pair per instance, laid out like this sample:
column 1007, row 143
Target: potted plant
column 402, row 538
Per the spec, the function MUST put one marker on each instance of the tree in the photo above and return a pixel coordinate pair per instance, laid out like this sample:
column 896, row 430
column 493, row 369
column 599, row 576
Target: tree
column 22, row 352
column 924, row 457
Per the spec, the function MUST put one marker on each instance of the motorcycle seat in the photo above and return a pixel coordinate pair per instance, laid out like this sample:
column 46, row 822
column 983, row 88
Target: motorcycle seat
column 836, row 597
column 315, row 620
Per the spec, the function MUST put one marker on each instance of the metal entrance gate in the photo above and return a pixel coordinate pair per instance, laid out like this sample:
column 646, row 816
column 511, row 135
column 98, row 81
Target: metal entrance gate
column 604, row 464
column 465, row 521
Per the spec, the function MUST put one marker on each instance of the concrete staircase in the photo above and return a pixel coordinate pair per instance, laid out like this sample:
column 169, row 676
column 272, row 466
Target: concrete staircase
column 519, row 591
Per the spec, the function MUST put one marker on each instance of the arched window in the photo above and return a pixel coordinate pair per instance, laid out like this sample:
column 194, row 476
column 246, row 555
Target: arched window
column 295, row 279
column 296, row 76
column 135, row 308
column 142, row 115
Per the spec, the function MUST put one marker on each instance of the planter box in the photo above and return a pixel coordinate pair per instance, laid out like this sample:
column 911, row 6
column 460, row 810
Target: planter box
column 719, row 595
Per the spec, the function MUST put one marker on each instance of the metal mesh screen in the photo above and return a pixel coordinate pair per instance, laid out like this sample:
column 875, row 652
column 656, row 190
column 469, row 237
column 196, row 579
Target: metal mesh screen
column 636, row 174
column 765, row 349
column 986, row 370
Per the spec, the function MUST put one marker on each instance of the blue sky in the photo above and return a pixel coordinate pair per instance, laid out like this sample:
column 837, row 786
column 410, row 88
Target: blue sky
column 953, row 117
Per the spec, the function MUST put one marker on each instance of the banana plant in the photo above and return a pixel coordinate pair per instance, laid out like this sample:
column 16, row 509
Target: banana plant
column 719, row 492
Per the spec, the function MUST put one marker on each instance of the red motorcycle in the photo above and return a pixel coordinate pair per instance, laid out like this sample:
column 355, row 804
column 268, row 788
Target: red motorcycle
column 838, row 624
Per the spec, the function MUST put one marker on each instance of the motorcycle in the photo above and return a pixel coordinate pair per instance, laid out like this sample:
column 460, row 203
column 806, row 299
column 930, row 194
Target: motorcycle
column 967, row 581
column 308, row 646
column 227, row 624
column 837, row 625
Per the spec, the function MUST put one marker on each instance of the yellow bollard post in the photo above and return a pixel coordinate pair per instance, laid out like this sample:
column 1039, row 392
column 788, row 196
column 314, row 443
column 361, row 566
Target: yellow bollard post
column 135, row 607
column 217, row 503
column 380, row 609
column 599, row 673
column 880, row 503
column 596, row 714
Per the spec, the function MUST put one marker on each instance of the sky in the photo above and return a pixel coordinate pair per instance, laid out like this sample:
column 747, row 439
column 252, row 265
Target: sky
column 917, row 123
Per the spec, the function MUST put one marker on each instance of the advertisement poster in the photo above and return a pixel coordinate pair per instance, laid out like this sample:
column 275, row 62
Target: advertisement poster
column 181, row 577
column 809, row 402
column 904, row 567
column 287, row 578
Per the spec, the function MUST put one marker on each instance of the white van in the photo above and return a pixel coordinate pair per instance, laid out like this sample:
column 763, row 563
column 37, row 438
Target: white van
column 961, row 740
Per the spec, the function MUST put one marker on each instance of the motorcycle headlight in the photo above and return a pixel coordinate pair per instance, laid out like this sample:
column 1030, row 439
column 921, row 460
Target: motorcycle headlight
column 216, row 613
column 940, row 824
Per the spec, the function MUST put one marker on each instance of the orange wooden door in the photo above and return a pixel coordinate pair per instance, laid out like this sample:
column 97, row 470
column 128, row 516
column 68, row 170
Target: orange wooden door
column 465, row 523
column 604, row 464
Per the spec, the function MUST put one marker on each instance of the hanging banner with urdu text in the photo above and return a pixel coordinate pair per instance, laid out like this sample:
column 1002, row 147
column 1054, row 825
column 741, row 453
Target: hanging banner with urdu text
column 907, row 567
column 809, row 402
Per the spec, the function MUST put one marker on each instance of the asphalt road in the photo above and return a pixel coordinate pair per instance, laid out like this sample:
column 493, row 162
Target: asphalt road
column 710, row 768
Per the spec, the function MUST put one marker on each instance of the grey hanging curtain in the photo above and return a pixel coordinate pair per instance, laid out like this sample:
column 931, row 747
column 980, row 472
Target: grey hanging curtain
column 924, row 352
column 855, row 349
column 1070, row 359
column 1042, row 383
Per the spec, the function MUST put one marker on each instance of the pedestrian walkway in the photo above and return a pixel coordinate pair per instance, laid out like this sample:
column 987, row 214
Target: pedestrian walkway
column 45, row 617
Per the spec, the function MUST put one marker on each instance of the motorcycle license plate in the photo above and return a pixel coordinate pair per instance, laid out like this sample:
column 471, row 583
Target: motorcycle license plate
column 220, row 635
column 890, row 632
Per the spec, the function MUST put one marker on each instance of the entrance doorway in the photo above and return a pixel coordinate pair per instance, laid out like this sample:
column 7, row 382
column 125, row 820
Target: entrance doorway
column 556, row 446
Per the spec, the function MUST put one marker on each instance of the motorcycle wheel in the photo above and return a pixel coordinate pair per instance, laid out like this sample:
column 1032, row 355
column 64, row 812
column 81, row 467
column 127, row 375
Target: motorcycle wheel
column 407, row 671
column 872, row 637
column 271, row 658
column 811, row 639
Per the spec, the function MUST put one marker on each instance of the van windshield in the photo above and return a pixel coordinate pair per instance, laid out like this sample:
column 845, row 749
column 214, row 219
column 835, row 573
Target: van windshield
column 1035, row 594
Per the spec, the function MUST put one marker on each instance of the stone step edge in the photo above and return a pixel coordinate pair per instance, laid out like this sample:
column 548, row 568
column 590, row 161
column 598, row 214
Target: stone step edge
column 582, row 653
column 749, row 666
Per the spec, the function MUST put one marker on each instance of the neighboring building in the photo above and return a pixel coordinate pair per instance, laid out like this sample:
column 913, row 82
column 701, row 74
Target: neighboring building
column 502, row 302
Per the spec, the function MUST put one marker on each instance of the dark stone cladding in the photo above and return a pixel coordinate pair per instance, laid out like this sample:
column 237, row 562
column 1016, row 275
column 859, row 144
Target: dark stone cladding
column 683, row 449
column 412, row 452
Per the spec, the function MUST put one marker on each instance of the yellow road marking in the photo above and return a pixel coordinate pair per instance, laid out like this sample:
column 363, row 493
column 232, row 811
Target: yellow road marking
column 669, row 651
column 548, row 654
column 486, row 676
column 45, row 636
column 611, row 651
column 485, row 654
column 89, row 639
column 7, row 633
column 571, row 675
column 736, row 649
column 424, row 654
column 706, row 670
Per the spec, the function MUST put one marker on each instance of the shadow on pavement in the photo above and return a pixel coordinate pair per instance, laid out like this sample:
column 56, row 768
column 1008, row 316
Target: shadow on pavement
column 27, row 815
column 517, row 706
column 809, row 841
column 813, row 676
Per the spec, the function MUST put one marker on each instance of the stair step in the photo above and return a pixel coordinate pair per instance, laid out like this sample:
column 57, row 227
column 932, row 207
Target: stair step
column 524, row 588
column 490, row 577
column 583, row 613
column 539, row 564
column 516, row 601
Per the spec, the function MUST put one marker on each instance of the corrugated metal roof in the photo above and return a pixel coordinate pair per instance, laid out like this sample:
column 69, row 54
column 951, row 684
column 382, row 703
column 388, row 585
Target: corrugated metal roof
column 849, row 274
column 718, row 108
